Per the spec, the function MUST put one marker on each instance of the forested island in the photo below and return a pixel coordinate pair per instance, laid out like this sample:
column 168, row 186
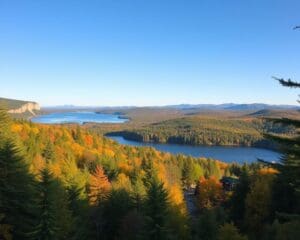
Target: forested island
column 208, row 131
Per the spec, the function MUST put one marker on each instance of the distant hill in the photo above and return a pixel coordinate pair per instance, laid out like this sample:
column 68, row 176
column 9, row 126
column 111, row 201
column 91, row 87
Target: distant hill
column 232, row 107
column 187, row 108
column 276, row 113
column 260, row 106
column 202, row 106
column 19, row 107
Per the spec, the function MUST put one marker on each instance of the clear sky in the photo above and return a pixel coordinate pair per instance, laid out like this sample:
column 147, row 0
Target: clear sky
column 148, row 52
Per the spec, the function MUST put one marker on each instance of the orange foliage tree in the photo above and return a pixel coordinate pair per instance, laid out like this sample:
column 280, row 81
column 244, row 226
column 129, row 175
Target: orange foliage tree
column 209, row 193
column 99, row 186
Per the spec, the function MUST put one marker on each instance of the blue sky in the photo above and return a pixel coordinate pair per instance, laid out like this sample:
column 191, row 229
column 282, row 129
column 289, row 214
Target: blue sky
column 156, row 52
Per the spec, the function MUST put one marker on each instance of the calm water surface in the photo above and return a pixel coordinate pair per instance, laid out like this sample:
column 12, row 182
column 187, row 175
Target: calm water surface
column 226, row 154
column 78, row 117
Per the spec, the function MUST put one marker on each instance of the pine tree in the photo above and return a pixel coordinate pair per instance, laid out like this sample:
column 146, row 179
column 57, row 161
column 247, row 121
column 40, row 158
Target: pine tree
column 116, row 207
column 207, row 226
column 54, row 215
column 257, row 206
column 5, row 123
column 16, row 192
column 47, row 228
column 187, row 172
column 79, row 210
column 229, row 232
column 16, row 186
column 156, row 211
column 149, row 169
column 286, row 192
column 237, row 201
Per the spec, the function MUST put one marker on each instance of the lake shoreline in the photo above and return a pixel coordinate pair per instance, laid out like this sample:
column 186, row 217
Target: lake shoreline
column 227, row 154
column 119, row 134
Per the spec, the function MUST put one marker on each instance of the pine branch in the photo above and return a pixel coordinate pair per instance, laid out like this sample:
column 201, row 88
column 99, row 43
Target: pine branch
column 287, row 83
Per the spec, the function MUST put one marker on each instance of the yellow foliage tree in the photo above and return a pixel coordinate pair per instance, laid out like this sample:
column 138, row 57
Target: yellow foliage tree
column 123, row 182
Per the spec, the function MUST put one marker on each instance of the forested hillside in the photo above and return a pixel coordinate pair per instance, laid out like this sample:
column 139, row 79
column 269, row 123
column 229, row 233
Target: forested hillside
column 77, row 185
column 63, row 182
column 208, row 131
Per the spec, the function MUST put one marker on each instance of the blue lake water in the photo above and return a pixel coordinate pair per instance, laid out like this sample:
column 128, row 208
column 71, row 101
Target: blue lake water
column 78, row 117
column 225, row 154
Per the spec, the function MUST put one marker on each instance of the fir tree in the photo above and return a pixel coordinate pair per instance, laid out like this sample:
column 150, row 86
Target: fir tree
column 207, row 226
column 156, row 211
column 16, row 192
column 286, row 192
column 237, row 201
column 5, row 123
column 79, row 210
column 47, row 228
column 229, row 232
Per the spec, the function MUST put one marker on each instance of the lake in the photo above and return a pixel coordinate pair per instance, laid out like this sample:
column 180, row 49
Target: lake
column 78, row 117
column 225, row 154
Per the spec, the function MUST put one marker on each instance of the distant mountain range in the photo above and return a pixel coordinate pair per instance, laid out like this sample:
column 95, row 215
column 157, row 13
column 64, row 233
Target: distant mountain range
column 224, row 106
column 20, row 106
column 233, row 107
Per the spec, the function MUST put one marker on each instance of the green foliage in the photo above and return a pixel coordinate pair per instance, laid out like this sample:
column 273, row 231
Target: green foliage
column 79, row 213
column 116, row 207
column 131, row 226
column 53, row 210
column 191, row 172
column 257, row 203
column 156, row 211
column 16, row 193
column 286, row 190
column 284, row 231
column 206, row 131
column 237, row 201
column 229, row 232
column 47, row 227
column 207, row 226
column 136, row 193
column 5, row 123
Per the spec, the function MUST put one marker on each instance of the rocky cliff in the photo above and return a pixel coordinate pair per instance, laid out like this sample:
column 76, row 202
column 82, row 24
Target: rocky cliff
column 27, row 107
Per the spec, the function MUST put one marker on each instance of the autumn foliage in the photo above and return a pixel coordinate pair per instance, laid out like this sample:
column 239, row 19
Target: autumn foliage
column 99, row 186
column 209, row 192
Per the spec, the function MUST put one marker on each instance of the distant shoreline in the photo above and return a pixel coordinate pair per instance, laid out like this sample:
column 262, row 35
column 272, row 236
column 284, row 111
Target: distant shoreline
column 140, row 140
